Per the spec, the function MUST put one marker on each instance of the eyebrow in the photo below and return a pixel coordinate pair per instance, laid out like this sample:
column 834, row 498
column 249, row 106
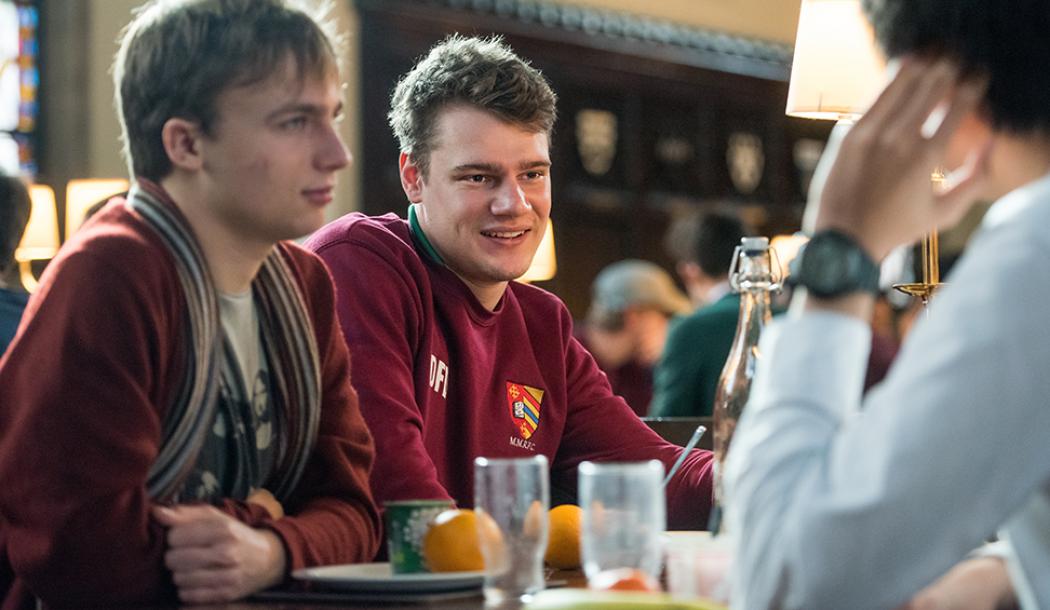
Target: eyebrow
column 494, row 168
column 306, row 108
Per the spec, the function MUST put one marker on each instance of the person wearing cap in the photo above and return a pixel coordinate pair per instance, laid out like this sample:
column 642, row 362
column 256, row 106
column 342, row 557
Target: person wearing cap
column 632, row 304
column 453, row 359
column 697, row 345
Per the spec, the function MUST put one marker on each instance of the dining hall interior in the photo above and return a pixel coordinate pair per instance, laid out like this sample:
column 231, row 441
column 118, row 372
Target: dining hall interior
column 662, row 98
column 685, row 131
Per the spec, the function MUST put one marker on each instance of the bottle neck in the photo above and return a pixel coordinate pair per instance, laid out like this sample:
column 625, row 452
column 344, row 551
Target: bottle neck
column 754, row 281
column 755, row 311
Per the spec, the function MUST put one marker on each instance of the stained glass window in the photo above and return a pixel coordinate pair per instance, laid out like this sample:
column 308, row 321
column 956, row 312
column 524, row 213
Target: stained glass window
column 19, row 84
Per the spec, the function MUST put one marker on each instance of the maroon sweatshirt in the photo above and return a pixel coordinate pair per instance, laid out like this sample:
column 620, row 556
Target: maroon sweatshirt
column 442, row 380
column 82, row 395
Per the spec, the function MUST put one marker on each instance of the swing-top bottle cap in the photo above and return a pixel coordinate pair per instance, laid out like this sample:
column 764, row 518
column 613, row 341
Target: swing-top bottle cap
column 754, row 244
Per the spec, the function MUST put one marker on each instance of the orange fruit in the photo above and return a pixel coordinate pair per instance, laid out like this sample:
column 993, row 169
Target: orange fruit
column 563, row 549
column 451, row 542
column 533, row 525
column 624, row 579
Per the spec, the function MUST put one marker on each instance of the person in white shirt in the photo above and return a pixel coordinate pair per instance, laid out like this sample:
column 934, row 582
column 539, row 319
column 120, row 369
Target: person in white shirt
column 838, row 503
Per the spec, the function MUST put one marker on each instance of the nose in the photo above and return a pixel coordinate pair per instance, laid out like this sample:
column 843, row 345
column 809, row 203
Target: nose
column 509, row 199
column 332, row 154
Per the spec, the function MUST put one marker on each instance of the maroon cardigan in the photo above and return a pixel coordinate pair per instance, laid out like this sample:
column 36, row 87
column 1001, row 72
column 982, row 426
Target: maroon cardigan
column 82, row 390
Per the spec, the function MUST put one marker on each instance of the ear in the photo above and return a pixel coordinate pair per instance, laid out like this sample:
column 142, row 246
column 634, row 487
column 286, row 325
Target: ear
column 688, row 271
column 973, row 132
column 181, row 139
column 411, row 178
column 631, row 318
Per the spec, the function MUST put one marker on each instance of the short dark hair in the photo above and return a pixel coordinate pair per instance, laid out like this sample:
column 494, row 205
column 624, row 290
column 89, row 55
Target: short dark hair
column 992, row 37
column 14, row 215
column 707, row 239
column 480, row 72
column 177, row 56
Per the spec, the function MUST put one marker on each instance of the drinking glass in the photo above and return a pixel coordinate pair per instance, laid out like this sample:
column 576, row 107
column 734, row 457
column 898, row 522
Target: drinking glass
column 624, row 516
column 699, row 565
column 511, row 498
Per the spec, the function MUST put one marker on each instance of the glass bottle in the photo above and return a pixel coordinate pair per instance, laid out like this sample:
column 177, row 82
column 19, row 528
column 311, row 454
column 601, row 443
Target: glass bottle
column 754, row 275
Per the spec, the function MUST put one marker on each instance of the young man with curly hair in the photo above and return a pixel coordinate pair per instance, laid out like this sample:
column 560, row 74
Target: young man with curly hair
column 454, row 359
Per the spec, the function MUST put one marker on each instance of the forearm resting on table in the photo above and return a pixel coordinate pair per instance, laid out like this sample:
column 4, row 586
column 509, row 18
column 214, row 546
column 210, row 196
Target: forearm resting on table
column 974, row 584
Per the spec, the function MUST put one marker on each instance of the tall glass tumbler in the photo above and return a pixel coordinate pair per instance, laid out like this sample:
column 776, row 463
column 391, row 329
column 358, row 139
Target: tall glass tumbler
column 624, row 516
column 511, row 497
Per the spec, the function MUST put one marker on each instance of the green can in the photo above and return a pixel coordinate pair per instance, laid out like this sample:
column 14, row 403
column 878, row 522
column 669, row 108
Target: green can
column 406, row 523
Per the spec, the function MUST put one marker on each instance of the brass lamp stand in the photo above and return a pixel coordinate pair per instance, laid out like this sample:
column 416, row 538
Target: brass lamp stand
column 931, row 269
column 931, row 272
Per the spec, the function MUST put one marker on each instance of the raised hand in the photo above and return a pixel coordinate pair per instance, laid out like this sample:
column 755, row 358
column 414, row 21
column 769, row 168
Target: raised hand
column 216, row 558
column 877, row 183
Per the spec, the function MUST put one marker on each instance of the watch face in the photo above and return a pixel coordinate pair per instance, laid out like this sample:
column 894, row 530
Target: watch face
column 832, row 265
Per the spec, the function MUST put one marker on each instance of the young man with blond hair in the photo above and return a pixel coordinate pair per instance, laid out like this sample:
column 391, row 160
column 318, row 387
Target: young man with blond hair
column 177, row 418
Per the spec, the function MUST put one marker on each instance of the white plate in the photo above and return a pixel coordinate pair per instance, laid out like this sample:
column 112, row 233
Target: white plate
column 377, row 577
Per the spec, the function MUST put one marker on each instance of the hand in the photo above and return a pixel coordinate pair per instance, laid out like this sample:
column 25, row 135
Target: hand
column 877, row 185
column 265, row 499
column 974, row 584
column 216, row 558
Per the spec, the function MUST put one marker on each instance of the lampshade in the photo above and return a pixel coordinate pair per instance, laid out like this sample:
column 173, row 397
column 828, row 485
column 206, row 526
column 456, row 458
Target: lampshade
column 82, row 194
column 544, row 264
column 40, row 240
column 836, row 67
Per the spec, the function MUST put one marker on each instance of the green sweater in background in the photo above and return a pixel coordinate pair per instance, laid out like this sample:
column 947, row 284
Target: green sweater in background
column 697, row 346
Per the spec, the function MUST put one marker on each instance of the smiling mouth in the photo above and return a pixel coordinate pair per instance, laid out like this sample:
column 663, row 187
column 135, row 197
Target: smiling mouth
column 504, row 234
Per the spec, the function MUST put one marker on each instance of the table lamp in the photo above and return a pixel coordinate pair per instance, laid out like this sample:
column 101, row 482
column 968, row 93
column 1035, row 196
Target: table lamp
column 83, row 194
column 544, row 263
column 835, row 67
column 833, row 75
column 40, row 240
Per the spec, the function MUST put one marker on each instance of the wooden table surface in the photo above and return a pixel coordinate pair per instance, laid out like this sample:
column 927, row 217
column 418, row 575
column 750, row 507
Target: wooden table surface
column 328, row 600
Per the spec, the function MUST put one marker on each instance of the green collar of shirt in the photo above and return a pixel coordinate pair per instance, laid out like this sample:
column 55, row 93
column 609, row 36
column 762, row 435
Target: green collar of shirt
column 421, row 237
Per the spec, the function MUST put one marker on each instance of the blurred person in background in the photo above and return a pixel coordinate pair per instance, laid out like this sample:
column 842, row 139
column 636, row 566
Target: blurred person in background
column 698, row 344
column 632, row 304
column 698, row 242
column 14, row 215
